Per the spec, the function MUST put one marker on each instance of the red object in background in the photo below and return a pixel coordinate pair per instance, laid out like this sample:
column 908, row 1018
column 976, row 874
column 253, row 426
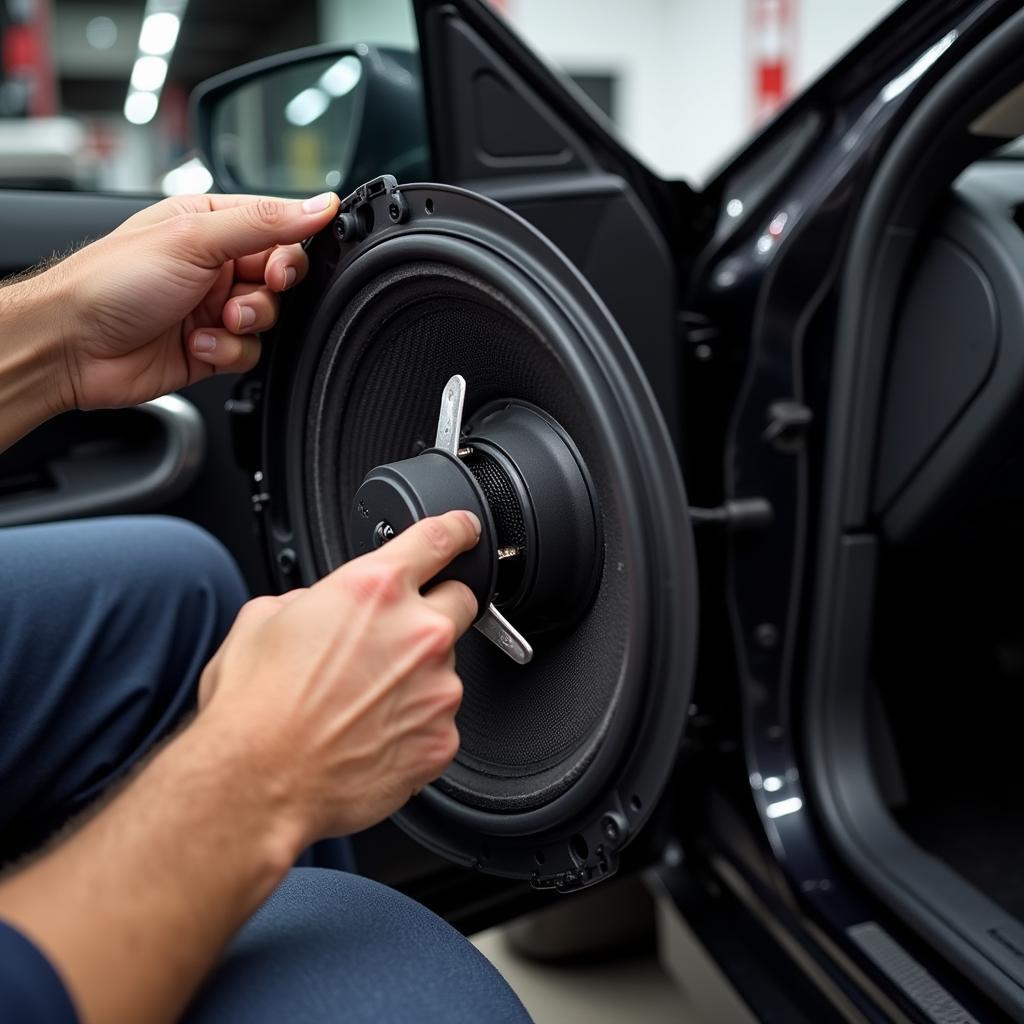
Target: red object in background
column 771, row 32
column 28, row 57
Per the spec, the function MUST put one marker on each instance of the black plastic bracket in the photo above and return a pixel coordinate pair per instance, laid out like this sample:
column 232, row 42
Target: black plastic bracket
column 355, row 218
column 594, row 853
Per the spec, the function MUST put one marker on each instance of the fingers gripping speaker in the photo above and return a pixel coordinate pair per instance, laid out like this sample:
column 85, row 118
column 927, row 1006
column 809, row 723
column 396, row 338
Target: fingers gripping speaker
column 443, row 354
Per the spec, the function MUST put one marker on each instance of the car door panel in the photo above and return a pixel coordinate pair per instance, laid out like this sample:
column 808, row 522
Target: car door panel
column 174, row 456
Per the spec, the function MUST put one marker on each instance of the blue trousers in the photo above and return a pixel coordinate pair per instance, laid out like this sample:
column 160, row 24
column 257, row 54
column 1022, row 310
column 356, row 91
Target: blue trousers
column 105, row 626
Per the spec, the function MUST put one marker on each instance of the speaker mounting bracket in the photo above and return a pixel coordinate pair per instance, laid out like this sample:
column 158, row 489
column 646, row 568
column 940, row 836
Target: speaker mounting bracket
column 492, row 624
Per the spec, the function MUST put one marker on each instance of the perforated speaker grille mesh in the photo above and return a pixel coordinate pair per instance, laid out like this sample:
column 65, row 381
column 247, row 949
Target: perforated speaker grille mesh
column 527, row 732
column 501, row 499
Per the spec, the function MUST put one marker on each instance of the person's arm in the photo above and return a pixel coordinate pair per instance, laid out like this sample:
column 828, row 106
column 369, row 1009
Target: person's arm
column 31, row 311
column 134, row 907
column 178, row 292
column 323, row 711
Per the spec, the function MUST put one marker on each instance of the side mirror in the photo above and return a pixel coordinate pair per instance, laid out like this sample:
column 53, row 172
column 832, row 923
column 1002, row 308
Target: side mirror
column 320, row 118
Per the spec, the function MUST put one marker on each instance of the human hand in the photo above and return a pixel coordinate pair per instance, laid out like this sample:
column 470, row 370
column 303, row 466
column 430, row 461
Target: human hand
column 342, row 696
column 178, row 292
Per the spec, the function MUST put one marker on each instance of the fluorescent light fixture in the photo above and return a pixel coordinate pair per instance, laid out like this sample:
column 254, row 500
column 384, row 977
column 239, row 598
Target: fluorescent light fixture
column 341, row 77
column 187, row 178
column 101, row 33
column 783, row 807
column 140, row 107
column 159, row 33
column 149, row 73
column 306, row 107
column 161, row 23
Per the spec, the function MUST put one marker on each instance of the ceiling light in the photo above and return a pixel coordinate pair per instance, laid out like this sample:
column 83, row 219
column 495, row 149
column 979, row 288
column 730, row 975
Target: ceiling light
column 306, row 107
column 140, row 107
column 149, row 73
column 188, row 178
column 101, row 33
column 341, row 77
column 159, row 33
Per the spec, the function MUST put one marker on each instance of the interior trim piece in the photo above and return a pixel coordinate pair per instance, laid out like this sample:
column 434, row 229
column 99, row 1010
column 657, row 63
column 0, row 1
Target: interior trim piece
column 39, row 224
column 148, row 482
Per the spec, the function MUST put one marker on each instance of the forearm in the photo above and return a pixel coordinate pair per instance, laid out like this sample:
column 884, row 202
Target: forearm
column 31, row 315
column 134, row 908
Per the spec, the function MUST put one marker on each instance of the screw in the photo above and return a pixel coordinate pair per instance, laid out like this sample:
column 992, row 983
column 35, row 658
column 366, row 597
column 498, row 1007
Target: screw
column 286, row 560
column 611, row 829
column 394, row 212
column 348, row 228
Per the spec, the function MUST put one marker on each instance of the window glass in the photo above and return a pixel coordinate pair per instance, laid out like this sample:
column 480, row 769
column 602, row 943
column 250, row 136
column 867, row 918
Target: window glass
column 94, row 94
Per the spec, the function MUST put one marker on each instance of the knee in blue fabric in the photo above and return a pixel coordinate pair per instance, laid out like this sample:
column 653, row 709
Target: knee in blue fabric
column 107, row 626
column 331, row 947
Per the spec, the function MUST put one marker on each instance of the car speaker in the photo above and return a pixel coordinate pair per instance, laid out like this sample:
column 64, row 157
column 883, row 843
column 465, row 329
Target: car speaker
column 443, row 354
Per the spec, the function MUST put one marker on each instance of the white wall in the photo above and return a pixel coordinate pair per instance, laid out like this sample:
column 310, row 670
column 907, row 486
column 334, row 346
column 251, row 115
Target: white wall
column 683, row 67
column 685, row 81
column 384, row 22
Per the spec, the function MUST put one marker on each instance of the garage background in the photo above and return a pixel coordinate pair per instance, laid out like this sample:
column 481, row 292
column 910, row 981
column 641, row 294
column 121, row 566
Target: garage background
column 685, row 81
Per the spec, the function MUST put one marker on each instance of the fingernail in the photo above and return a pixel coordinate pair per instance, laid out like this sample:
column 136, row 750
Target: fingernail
column 318, row 203
column 204, row 343
column 473, row 521
column 289, row 276
column 246, row 317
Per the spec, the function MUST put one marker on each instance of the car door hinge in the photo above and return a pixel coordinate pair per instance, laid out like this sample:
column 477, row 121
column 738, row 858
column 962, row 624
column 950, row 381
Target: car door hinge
column 734, row 516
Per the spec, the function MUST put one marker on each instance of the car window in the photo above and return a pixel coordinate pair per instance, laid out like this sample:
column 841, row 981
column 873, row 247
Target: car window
column 94, row 93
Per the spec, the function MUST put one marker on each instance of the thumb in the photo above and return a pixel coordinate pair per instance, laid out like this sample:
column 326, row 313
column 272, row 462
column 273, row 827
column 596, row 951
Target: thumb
column 242, row 229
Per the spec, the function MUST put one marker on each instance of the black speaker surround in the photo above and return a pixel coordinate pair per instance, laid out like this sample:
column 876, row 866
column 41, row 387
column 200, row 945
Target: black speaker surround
column 562, row 759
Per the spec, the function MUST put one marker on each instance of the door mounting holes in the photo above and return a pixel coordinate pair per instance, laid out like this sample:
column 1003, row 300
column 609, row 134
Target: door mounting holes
column 578, row 847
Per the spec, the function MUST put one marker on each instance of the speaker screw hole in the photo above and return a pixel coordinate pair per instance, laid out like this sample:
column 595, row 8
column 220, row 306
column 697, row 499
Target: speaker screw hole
column 578, row 847
column 429, row 205
column 610, row 829
column 394, row 212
